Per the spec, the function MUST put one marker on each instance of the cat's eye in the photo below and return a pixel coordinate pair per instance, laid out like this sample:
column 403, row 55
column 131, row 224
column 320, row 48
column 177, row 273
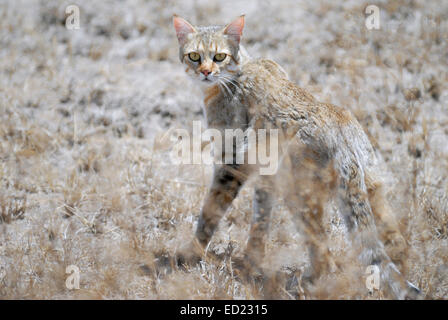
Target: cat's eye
column 194, row 56
column 219, row 57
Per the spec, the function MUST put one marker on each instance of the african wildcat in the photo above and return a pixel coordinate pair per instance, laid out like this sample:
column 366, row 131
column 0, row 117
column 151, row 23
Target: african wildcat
column 321, row 144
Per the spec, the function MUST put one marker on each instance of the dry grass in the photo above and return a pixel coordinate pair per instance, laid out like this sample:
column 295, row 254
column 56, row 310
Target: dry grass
column 85, row 176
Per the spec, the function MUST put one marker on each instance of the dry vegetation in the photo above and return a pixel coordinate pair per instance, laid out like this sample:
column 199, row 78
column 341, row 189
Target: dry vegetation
column 85, row 176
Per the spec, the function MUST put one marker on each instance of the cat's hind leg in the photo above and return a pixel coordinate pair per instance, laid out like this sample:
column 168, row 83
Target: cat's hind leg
column 361, row 226
column 259, row 230
column 388, row 229
column 314, row 187
column 307, row 183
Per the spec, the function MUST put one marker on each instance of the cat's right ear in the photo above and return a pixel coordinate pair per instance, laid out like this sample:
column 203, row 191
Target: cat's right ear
column 183, row 28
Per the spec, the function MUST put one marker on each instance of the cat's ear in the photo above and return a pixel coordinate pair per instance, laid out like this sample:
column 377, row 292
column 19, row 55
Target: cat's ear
column 235, row 29
column 183, row 28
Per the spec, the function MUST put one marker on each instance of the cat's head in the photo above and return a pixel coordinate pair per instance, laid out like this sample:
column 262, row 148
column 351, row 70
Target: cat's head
column 210, row 54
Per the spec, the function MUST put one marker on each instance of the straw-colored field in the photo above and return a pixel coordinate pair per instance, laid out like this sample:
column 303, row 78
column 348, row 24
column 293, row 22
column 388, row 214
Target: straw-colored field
column 85, row 176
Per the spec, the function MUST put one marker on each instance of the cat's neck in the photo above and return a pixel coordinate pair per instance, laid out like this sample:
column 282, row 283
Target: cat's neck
column 223, row 112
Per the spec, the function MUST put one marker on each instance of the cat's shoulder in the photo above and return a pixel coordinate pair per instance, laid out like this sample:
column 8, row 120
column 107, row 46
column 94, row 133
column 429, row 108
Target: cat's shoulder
column 264, row 67
column 267, row 75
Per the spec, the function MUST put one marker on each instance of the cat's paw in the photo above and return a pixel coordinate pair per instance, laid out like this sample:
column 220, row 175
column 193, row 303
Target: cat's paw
column 412, row 292
column 396, row 247
column 189, row 255
column 247, row 271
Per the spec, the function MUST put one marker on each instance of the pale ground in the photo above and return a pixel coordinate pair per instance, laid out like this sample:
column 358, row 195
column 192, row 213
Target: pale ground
column 85, row 176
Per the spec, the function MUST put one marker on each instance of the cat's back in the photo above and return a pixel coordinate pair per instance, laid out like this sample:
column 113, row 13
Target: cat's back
column 268, row 85
column 320, row 125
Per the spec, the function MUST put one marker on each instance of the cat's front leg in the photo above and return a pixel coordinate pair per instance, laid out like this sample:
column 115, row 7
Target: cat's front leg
column 227, row 182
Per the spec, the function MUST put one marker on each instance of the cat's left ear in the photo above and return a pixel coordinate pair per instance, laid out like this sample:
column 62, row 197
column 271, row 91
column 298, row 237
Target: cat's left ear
column 235, row 29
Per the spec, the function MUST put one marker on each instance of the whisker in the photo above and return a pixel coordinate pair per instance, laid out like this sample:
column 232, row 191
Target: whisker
column 222, row 87
column 228, row 89
column 225, row 86
column 232, row 82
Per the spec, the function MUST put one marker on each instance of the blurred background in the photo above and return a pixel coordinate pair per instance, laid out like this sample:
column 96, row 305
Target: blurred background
column 85, row 176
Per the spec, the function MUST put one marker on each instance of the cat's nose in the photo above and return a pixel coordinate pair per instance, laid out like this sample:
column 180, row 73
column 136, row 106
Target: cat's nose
column 205, row 72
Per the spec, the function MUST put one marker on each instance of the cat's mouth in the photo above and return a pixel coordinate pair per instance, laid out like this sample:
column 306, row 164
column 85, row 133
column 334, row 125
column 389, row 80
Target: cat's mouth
column 207, row 81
